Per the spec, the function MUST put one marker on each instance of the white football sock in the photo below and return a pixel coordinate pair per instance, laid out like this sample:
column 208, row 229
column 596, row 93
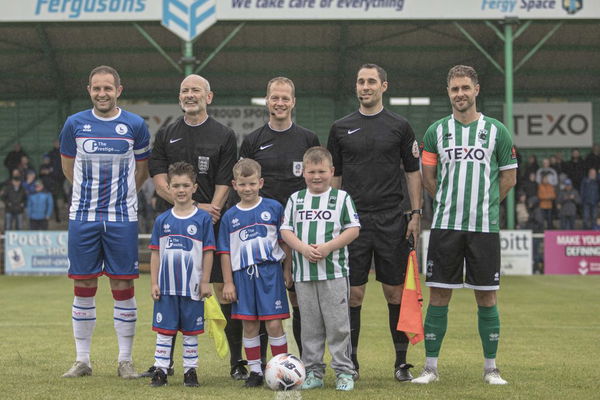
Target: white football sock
column 125, row 316
column 162, row 354
column 84, row 322
column 190, row 352
column 431, row 362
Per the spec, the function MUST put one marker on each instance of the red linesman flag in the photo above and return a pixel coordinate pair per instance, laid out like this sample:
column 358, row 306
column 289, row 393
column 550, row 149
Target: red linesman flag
column 411, row 319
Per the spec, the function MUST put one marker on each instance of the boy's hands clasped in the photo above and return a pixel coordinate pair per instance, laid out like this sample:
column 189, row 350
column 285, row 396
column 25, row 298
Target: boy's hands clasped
column 315, row 252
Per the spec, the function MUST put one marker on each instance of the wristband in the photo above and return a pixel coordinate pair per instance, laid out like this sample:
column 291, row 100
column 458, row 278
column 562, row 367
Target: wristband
column 418, row 211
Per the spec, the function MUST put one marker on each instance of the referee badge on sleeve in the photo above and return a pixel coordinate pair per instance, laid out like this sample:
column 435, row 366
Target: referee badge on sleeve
column 297, row 168
column 203, row 164
column 415, row 149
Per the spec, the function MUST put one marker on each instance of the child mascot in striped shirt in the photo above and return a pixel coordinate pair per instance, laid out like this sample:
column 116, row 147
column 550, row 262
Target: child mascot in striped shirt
column 319, row 223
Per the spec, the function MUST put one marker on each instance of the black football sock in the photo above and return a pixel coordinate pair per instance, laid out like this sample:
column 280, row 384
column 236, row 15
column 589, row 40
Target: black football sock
column 355, row 333
column 297, row 328
column 173, row 338
column 398, row 337
column 264, row 342
column 233, row 332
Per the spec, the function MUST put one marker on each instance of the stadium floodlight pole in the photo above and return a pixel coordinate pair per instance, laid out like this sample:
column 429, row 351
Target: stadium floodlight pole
column 188, row 60
column 508, row 101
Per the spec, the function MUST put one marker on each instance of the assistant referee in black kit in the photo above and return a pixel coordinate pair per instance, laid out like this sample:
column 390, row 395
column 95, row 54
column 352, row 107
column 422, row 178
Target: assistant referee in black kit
column 369, row 148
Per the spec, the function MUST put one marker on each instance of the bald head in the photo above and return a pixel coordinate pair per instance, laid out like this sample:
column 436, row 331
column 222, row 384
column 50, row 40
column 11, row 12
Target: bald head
column 194, row 79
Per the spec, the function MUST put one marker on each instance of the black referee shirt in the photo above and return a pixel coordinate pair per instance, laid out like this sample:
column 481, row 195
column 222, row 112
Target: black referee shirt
column 279, row 153
column 368, row 152
column 210, row 147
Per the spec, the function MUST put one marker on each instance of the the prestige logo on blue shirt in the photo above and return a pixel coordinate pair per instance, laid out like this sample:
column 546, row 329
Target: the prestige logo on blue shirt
column 253, row 232
column 105, row 146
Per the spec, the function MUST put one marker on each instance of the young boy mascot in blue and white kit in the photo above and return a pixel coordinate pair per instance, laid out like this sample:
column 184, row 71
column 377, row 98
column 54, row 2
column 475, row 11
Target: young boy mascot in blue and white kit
column 182, row 255
column 252, row 254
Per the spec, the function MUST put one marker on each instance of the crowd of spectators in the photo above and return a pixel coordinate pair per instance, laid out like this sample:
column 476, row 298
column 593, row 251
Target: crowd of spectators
column 559, row 194
column 30, row 195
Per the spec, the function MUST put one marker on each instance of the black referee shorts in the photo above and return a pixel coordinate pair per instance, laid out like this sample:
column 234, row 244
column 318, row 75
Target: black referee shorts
column 216, row 275
column 381, row 240
column 449, row 251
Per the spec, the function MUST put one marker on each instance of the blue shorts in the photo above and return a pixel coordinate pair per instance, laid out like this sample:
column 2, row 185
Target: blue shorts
column 178, row 313
column 261, row 293
column 97, row 244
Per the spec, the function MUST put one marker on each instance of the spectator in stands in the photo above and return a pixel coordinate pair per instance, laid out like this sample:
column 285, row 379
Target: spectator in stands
column 547, row 194
column 29, row 182
column 546, row 169
column 46, row 174
column 593, row 159
column 567, row 201
column 39, row 208
column 24, row 167
column 556, row 162
column 529, row 187
column 590, row 195
column 575, row 168
column 522, row 211
column 14, row 197
column 58, row 191
column 531, row 166
column 13, row 158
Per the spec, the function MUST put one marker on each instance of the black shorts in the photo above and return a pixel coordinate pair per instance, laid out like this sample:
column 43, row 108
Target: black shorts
column 382, row 240
column 216, row 275
column 449, row 250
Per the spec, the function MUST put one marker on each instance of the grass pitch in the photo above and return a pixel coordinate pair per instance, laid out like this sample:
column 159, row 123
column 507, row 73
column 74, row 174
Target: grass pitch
column 549, row 349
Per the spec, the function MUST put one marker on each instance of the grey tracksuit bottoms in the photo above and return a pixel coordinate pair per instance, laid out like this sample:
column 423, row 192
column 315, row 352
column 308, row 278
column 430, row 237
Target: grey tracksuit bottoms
column 325, row 316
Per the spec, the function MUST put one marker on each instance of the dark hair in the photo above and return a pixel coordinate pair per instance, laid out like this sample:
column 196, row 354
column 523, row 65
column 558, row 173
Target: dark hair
column 462, row 71
column 246, row 167
column 316, row 155
column 380, row 71
column 105, row 69
column 181, row 168
column 283, row 80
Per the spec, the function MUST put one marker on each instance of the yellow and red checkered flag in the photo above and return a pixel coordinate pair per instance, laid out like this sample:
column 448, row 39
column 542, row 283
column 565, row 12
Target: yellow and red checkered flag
column 411, row 319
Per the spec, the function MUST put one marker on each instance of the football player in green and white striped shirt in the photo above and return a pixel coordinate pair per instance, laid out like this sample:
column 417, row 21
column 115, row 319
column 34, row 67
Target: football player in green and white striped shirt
column 318, row 224
column 469, row 165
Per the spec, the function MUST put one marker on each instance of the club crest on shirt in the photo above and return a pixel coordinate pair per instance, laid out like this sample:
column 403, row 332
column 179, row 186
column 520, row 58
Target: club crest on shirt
column 121, row 129
column 203, row 164
column 297, row 168
column 415, row 149
column 158, row 317
column 482, row 135
column 265, row 215
column 191, row 229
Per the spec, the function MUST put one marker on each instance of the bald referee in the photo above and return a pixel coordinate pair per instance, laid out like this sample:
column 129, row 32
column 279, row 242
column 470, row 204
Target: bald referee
column 370, row 147
column 211, row 148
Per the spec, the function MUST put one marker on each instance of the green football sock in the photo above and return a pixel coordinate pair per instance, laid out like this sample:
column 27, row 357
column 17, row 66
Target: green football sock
column 436, row 323
column 489, row 330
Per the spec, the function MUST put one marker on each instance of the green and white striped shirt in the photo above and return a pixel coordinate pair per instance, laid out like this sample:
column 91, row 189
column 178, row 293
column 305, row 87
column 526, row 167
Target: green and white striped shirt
column 317, row 219
column 469, row 161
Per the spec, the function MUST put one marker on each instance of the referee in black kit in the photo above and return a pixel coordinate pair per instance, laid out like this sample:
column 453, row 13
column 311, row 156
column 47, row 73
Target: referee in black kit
column 279, row 147
column 369, row 148
column 211, row 148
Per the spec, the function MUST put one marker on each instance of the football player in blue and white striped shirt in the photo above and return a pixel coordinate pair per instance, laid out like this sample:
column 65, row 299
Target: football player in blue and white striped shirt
column 104, row 154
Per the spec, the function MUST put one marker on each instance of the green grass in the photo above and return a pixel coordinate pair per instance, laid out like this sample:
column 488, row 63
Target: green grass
column 549, row 349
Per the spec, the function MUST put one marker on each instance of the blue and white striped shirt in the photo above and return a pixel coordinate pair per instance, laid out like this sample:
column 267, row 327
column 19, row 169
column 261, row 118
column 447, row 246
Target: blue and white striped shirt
column 105, row 152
